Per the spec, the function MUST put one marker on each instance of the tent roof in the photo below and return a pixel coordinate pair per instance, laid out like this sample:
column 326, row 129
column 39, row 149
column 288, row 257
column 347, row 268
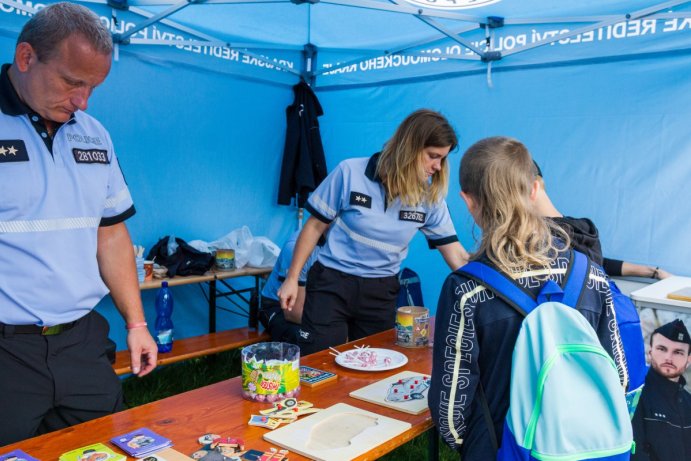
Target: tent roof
column 374, row 41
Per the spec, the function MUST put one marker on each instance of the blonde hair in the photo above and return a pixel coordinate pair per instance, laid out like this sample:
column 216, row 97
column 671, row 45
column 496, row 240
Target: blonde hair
column 497, row 173
column 400, row 163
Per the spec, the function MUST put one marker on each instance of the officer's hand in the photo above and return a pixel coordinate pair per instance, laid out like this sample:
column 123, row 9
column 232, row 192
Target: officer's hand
column 143, row 351
column 287, row 294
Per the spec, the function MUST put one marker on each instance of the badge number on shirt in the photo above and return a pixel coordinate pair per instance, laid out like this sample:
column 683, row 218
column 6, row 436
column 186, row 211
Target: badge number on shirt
column 358, row 199
column 413, row 216
column 13, row 150
column 90, row 156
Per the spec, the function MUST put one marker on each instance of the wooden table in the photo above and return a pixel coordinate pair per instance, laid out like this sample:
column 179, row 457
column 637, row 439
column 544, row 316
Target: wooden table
column 245, row 305
column 220, row 409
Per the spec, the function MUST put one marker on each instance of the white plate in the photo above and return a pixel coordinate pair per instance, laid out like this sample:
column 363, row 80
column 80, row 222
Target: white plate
column 396, row 359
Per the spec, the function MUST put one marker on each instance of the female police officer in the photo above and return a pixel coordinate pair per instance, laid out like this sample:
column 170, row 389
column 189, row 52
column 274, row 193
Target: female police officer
column 374, row 206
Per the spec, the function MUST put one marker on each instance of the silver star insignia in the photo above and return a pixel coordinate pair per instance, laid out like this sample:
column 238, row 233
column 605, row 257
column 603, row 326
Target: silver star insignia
column 3, row 151
column 12, row 150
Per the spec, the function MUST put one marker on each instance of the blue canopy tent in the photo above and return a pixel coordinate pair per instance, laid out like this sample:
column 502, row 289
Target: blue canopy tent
column 598, row 90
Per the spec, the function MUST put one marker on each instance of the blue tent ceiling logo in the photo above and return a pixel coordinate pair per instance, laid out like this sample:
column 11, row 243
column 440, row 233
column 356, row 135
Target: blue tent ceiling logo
column 452, row 4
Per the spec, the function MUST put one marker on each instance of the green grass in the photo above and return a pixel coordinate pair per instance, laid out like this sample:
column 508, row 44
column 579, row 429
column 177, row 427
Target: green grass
column 195, row 373
column 181, row 377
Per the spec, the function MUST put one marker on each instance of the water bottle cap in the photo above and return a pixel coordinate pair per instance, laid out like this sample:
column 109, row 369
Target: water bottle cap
column 164, row 284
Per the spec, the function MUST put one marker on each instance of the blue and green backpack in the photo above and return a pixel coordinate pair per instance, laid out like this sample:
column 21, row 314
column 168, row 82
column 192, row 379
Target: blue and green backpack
column 566, row 401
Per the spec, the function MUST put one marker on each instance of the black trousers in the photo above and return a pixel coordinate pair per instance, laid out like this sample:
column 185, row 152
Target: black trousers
column 274, row 321
column 51, row 382
column 340, row 307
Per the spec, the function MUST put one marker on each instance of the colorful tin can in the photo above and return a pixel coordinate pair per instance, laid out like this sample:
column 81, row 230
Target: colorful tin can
column 225, row 259
column 412, row 326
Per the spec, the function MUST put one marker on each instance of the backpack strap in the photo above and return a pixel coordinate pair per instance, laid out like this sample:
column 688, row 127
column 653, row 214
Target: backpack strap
column 523, row 302
column 576, row 279
column 501, row 285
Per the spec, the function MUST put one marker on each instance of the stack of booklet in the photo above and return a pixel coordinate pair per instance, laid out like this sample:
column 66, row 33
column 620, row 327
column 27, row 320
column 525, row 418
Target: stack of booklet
column 16, row 455
column 95, row 452
column 141, row 443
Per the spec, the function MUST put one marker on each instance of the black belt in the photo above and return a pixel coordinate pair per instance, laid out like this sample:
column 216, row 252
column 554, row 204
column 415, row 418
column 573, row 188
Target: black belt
column 37, row 330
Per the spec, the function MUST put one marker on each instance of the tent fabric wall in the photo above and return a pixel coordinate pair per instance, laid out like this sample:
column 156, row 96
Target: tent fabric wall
column 612, row 141
column 201, row 148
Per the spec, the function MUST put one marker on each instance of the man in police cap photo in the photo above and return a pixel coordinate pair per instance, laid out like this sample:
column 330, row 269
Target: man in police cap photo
column 662, row 422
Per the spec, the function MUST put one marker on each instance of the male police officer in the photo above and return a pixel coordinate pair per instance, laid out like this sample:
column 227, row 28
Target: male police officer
column 63, row 240
column 662, row 422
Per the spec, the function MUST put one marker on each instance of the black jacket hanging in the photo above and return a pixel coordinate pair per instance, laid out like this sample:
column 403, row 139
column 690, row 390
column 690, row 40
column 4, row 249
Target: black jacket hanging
column 304, row 165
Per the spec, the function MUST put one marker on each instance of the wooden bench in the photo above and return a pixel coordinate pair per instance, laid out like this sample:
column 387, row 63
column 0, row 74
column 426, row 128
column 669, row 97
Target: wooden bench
column 197, row 346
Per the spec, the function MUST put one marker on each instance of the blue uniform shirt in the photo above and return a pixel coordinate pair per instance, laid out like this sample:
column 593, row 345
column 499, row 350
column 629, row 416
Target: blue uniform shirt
column 278, row 274
column 54, row 194
column 369, row 238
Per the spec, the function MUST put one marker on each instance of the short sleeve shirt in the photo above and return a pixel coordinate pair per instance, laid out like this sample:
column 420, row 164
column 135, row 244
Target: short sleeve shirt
column 369, row 238
column 52, row 205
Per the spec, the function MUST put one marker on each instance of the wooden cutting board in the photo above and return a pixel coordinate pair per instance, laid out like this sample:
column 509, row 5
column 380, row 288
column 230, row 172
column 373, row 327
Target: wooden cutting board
column 377, row 393
column 338, row 433
column 683, row 294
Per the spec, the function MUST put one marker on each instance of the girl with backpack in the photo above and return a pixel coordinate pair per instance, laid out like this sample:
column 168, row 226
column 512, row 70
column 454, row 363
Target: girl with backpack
column 476, row 330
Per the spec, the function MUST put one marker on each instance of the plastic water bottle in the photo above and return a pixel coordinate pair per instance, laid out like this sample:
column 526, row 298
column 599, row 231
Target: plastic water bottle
column 164, row 321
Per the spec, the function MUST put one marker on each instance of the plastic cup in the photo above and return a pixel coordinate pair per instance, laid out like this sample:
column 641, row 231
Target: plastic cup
column 148, row 271
column 141, row 274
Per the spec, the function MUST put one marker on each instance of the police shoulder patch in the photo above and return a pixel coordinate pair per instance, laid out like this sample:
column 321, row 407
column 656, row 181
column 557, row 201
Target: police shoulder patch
column 13, row 150
column 359, row 199
column 412, row 215
column 90, row 156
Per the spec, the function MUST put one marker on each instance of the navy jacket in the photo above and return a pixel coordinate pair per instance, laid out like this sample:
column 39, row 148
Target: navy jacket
column 474, row 337
column 304, row 164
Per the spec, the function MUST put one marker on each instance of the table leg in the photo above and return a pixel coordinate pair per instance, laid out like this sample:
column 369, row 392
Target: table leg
column 255, row 304
column 433, row 445
column 212, row 306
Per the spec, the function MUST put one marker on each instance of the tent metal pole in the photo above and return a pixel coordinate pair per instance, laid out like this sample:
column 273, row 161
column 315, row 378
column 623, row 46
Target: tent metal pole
column 449, row 34
column 154, row 19
column 411, row 10
column 462, row 30
column 309, row 64
column 148, row 14
column 207, row 40
column 613, row 20
column 453, row 36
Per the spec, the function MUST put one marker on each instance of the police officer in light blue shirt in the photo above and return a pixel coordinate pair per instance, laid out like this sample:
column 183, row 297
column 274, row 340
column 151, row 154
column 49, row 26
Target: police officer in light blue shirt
column 374, row 206
column 63, row 240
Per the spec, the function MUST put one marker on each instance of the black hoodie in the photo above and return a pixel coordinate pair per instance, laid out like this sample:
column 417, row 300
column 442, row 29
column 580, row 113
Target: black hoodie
column 586, row 239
